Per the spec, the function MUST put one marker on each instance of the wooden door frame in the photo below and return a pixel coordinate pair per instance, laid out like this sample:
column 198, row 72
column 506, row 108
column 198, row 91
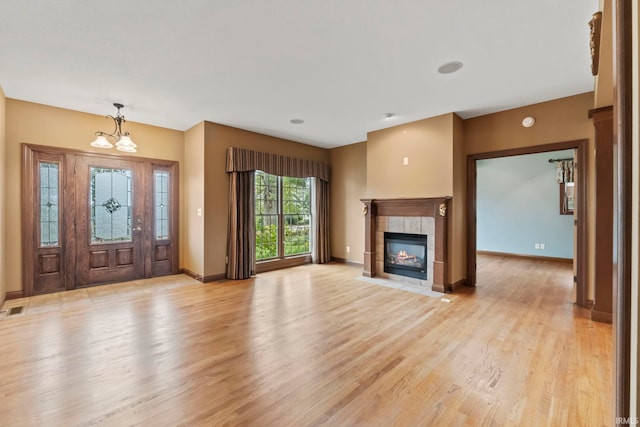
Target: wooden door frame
column 623, row 209
column 581, row 250
column 68, row 238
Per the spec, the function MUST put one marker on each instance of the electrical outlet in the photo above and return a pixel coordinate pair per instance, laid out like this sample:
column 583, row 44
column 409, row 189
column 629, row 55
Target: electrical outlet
column 537, row 246
column 405, row 161
column 348, row 249
column 541, row 245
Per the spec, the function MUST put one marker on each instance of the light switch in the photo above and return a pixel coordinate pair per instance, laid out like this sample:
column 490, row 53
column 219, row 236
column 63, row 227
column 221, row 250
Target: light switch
column 405, row 161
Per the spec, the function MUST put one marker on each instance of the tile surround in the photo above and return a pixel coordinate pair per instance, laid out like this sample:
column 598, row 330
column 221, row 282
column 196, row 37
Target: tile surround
column 413, row 215
column 409, row 225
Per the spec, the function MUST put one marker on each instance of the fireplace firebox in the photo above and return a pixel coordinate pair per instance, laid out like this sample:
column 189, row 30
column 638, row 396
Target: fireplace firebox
column 406, row 254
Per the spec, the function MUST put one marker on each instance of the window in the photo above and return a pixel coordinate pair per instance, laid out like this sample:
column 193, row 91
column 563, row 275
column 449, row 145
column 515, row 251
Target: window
column 566, row 198
column 283, row 216
column 267, row 215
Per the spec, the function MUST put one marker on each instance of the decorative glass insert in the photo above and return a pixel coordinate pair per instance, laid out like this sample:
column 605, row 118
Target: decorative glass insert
column 161, row 204
column 110, row 205
column 296, row 207
column 49, row 204
column 267, row 218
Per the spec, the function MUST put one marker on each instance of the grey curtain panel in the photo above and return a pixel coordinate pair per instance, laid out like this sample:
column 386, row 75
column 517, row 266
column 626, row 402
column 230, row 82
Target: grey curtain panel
column 242, row 227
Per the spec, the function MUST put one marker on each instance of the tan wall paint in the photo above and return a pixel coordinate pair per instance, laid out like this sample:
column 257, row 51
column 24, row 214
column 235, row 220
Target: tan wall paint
column 216, row 202
column 32, row 123
column 604, row 79
column 348, row 186
column 427, row 143
column 437, row 167
column 458, row 217
column 3, row 240
column 558, row 120
column 564, row 119
column 217, row 139
column 193, row 190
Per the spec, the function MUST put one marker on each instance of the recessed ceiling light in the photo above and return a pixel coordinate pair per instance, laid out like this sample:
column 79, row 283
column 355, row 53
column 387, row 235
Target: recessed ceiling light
column 450, row 67
column 387, row 116
column 528, row 121
column 296, row 121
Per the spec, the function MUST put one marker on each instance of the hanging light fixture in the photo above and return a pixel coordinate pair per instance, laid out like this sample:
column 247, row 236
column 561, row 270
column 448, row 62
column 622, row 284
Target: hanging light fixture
column 122, row 139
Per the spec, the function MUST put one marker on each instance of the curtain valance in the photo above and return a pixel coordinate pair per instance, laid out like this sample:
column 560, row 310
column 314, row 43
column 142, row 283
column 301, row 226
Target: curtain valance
column 564, row 171
column 243, row 160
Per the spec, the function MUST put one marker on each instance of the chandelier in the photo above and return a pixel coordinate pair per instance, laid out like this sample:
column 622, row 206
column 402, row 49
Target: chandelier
column 123, row 141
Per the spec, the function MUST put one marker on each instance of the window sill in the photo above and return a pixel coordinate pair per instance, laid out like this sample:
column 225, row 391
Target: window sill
column 277, row 264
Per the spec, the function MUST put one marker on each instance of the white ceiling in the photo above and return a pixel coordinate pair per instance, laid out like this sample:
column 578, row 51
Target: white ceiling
column 255, row 64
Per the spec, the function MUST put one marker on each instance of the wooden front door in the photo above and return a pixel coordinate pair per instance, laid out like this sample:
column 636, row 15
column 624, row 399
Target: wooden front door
column 111, row 220
column 90, row 219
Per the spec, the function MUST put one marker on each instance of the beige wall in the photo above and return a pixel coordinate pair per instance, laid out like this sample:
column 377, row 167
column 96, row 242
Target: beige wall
column 201, row 152
column 31, row 123
column 3, row 240
column 216, row 200
column 458, row 217
column 217, row 139
column 559, row 120
column 348, row 186
column 193, row 212
column 436, row 148
column 427, row 143
column 563, row 119
column 436, row 167
column 604, row 79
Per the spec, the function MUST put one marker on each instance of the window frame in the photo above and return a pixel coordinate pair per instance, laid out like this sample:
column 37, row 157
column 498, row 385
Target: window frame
column 282, row 260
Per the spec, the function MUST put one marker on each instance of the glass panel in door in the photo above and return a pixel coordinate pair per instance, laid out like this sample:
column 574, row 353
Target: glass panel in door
column 110, row 205
column 49, row 205
column 161, row 204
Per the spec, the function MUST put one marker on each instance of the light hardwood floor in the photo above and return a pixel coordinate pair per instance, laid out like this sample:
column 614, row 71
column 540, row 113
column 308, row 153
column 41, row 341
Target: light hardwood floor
column 309, row 346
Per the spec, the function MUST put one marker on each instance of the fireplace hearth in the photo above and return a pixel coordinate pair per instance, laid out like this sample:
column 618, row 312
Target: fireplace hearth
column 406, row 254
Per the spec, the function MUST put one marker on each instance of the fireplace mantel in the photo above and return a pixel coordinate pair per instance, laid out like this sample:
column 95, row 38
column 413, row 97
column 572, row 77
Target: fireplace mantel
column 435, row 207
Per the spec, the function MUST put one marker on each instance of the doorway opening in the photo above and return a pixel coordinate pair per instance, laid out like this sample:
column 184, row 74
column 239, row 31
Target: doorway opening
column 580, row 206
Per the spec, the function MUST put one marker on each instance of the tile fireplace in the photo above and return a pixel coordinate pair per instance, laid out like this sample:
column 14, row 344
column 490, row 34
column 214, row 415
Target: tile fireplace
column 419, row 216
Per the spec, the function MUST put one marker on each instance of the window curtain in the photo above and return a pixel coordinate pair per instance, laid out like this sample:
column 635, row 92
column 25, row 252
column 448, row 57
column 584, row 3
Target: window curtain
column 242, row 226
column 564, row 171
column 241, row 164
column 320, row 251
